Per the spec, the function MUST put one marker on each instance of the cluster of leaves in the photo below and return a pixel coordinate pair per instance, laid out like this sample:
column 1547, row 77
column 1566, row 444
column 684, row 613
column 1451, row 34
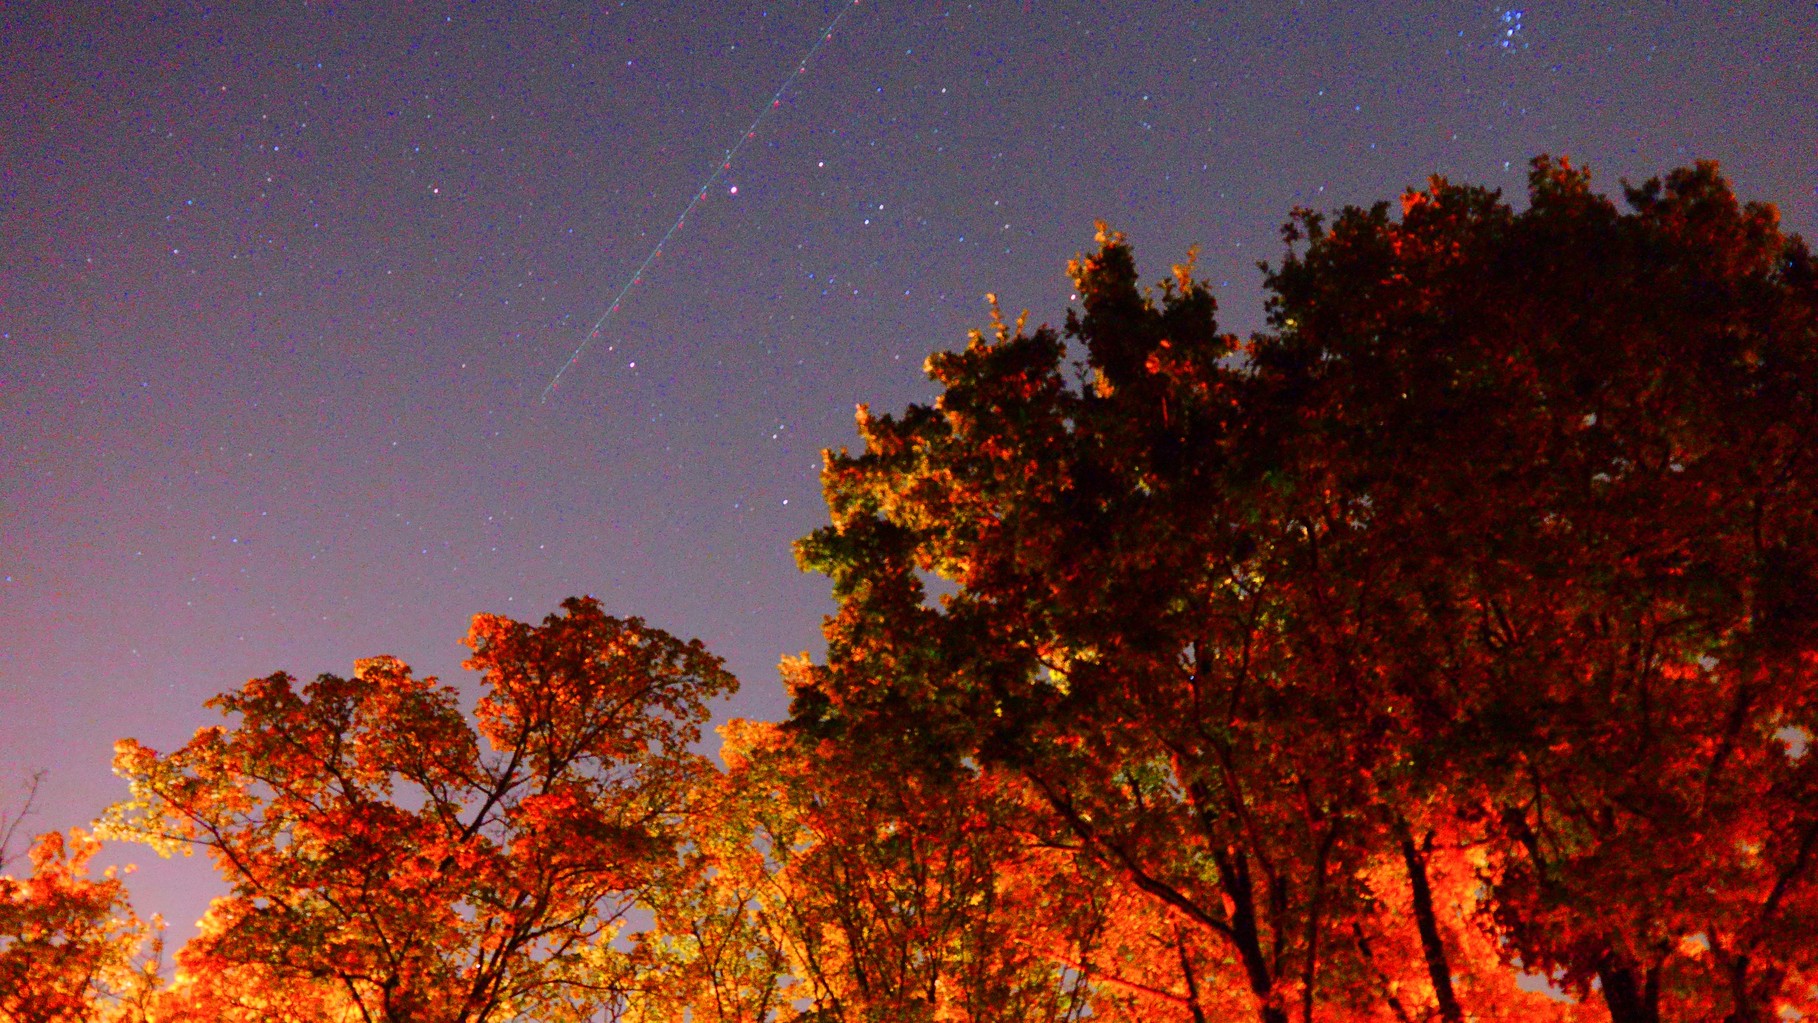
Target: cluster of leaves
column 1447, row 651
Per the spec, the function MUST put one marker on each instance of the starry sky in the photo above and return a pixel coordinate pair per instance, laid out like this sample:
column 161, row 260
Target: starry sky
column 281, row 285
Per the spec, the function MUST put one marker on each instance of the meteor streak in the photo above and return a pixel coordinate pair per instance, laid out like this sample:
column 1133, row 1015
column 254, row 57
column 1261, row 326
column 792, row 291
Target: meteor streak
column 776, row 101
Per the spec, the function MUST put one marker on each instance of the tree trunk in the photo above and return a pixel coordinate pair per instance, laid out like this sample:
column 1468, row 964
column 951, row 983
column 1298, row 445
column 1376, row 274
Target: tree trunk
column 1234, row 877
column 1439, row 969
column 1630, row 999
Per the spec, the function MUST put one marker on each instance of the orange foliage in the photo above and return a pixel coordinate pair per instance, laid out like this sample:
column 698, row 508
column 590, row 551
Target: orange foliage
column 385, row 867
column 71, row 949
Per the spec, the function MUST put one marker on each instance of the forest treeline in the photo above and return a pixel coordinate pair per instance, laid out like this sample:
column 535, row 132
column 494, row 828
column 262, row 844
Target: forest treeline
column 1443, row 652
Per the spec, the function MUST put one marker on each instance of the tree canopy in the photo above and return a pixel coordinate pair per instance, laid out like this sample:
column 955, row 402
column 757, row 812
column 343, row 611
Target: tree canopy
column 391, row 862
column 1447, row 650
column 1466, row 613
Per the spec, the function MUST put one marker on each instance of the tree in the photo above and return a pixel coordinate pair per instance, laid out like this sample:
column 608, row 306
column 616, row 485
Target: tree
column 386, row 867
column 1113, row 643
column 71, row 949
column 1457, row 625
column 815, row 898
column 1572, row 449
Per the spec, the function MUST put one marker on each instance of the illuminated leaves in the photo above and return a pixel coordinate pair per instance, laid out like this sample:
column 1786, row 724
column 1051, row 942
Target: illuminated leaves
column 71, row 949
column 383, row 862
column 891, row 899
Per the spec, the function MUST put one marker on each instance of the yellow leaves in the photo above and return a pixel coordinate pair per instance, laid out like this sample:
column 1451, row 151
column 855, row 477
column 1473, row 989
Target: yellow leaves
column 139, row 818
column 384, row 671
column 741, row 738
column 132, row 757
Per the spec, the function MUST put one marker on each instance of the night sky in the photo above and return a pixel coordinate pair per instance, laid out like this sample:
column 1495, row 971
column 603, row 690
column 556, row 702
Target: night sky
column 281, row 285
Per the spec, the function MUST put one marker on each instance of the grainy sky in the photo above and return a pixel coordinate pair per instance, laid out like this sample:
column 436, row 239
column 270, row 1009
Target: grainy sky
column 281, row 284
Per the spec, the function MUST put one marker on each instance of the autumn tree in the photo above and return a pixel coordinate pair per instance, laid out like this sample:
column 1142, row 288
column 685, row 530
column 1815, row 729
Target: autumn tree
column 71, row 948
column 1458, row 625
column 826, row 892
column 1113, row 644
column 1561, row 461
column 391, row 861
column 1454, row 637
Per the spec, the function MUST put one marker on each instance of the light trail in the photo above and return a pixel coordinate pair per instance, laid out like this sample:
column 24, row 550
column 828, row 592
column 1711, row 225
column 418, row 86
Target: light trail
column 776, row 102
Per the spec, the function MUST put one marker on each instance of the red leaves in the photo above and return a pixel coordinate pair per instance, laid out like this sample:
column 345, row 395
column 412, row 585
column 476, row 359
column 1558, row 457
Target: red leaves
column 588, row 687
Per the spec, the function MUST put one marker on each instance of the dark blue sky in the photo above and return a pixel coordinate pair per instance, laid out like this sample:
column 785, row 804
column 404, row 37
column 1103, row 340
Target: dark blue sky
column 281, row 284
